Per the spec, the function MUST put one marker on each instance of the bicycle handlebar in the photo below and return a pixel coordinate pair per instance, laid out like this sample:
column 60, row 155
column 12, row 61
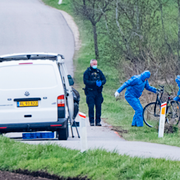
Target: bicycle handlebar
column 161, row 91
column 161, row 86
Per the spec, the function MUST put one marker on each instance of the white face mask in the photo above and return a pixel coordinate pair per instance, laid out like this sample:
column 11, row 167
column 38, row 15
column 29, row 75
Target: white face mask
column 94, row 67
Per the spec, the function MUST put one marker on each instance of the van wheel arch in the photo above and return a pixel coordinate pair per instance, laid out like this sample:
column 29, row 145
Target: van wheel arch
column 63, row 134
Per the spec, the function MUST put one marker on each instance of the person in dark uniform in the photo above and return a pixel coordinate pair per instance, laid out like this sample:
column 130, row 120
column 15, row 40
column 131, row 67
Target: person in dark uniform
column 94, row 80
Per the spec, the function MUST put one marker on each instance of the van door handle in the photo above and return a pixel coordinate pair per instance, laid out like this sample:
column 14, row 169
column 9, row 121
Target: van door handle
column 67, row 93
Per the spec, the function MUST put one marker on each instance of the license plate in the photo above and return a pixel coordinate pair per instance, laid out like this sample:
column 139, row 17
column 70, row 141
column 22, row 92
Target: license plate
column 27, row 104
column 38, row 135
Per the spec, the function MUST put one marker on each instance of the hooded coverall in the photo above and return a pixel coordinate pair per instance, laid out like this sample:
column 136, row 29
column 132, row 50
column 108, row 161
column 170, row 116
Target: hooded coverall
column 177, row 98
column 134, row 88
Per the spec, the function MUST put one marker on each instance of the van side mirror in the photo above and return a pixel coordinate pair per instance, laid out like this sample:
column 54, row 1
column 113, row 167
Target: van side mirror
column 70, row 79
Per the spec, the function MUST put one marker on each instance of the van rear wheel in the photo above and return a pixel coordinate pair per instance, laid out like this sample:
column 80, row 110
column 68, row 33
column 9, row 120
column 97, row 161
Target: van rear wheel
column 63, row 134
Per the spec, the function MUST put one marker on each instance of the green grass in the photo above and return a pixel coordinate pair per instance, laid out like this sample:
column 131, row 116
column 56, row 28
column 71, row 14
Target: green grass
column 117, row 113
column 95, row 164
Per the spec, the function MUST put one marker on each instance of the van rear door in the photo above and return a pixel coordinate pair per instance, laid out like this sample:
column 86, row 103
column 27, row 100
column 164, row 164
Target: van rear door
column 68, row 88
column 29, row 91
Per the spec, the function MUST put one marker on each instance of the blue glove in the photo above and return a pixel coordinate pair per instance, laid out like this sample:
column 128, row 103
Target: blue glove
column 98, row 83
column 158, row 91
column 176, row 98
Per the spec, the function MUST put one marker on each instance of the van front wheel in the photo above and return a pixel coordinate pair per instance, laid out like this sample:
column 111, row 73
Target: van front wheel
column 63, row 134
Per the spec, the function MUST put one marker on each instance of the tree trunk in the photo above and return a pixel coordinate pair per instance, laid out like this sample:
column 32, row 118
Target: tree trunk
column 95, row 42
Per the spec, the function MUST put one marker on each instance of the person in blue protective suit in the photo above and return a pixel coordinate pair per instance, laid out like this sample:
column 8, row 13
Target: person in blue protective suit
column 177, row 98
column 134, row 88
column 94, row 80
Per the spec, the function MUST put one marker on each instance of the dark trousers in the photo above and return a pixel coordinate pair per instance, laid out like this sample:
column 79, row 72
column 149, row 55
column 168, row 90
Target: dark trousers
column 94, row 98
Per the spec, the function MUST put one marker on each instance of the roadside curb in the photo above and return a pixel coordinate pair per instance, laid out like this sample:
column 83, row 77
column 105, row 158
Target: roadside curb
column 72, row 25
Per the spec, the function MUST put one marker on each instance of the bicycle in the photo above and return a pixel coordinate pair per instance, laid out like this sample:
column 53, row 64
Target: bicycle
column 151, row 112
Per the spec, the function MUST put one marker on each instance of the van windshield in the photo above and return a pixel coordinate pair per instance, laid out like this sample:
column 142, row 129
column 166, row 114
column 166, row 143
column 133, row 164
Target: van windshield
column 27, row 76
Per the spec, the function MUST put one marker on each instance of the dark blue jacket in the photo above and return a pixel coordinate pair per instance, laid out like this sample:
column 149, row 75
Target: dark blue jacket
column 136, row 84
column 91, row 76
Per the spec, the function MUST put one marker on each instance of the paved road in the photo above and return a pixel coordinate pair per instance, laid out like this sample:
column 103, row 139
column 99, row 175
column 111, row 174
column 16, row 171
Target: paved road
column 30, row 26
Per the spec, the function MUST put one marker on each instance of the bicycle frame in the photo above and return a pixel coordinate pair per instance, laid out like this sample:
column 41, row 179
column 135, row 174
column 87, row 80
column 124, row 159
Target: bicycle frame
column 158, row 102
column 169, row 105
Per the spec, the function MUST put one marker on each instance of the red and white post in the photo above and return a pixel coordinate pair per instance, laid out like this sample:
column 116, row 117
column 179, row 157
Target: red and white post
column 162, row 120
column 83, row 131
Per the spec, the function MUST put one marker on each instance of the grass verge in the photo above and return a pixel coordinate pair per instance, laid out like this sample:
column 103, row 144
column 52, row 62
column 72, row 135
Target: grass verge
column 117, row 113
column 95, row 164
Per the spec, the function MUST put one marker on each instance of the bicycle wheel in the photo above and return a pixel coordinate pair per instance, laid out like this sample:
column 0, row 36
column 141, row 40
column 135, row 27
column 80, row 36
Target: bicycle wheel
column 151, row 114
column 173, row 114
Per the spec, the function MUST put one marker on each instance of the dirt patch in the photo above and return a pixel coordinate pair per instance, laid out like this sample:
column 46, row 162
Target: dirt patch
column 34, row 175
column 119, row 130
column 169, row 129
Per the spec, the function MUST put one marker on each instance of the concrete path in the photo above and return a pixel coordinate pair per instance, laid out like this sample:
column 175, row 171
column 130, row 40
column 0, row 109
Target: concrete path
column 104, row 138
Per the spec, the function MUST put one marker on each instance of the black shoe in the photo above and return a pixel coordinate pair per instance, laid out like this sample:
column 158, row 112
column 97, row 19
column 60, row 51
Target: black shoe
column 98, row 124
column 91, row 124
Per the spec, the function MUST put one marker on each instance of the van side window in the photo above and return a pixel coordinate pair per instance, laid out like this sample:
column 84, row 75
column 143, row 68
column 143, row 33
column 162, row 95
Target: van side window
column 70, row 79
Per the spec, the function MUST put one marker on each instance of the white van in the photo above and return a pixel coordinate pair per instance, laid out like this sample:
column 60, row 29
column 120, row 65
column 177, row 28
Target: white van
column 35, row 94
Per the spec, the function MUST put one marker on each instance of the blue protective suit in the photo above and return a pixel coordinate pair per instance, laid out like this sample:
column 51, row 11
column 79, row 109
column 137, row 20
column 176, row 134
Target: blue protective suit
column 134, row 88
column 177, row 98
